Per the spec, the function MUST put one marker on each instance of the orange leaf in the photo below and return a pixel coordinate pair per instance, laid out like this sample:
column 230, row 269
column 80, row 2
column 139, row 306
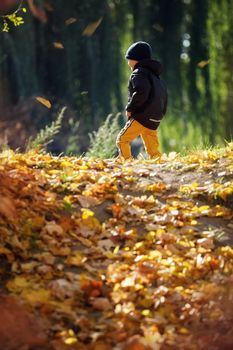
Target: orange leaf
column 44, row 102
column 7, row 208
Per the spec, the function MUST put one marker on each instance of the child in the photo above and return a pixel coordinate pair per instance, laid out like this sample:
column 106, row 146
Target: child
column 147, row 101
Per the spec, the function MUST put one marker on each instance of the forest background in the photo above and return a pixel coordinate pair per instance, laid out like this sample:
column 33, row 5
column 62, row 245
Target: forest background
column 72, row 54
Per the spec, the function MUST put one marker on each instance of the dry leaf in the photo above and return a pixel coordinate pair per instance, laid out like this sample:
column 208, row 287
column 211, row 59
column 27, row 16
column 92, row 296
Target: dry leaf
column 70, row 20
column 203, row 63
column 76, row 259
column 87, row 201
column 53, row 228
column 7, row 253
column 36, row 296
column 61, row 289
column 60, row 251
column 91, row 28
column 7, row 208
column 18, row 284
column 44, row 102
column 58, row 45
column 101, row 304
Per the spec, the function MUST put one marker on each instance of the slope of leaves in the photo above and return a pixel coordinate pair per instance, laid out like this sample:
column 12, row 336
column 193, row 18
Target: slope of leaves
column 119, row 256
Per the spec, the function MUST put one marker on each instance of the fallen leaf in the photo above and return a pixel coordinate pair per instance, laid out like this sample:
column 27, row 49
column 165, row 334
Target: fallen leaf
column 87, row 201
column 60, row 251
column 36, row 296
column 17, row 284
column 7, row 208
column 7, row 253
column 53, row 228
column 101, row 304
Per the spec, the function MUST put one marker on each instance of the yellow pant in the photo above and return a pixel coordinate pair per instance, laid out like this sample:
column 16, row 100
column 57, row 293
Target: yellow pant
column 133, row 129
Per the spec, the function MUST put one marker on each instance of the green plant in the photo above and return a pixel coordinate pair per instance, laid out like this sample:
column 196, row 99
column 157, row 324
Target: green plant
column 103, row 141
column 46, row 135
column 179, row 135
column 72, row 144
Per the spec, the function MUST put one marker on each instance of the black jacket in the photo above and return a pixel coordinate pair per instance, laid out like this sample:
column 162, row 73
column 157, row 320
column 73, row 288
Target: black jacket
column 147, row 94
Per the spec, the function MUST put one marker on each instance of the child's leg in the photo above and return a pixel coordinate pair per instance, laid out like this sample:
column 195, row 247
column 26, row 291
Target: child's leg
column 131, row 130
column 151, row 142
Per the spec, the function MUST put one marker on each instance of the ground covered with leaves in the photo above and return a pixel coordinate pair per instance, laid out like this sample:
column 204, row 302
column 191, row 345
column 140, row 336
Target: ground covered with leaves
column 109, row 255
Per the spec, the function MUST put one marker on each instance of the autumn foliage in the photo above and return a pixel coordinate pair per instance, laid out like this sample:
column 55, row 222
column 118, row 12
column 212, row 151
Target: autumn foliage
column 110, row 255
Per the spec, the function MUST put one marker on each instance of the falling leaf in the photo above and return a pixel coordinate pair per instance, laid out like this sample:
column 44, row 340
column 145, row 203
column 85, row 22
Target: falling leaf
column 91, row 28
column 158, row 27
column 70, row 20
column 58, row 45
column 203, row 63
column 44, row 102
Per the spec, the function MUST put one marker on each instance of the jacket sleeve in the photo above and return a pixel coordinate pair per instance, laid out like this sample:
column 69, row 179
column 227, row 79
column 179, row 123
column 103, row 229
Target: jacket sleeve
column 141, row 90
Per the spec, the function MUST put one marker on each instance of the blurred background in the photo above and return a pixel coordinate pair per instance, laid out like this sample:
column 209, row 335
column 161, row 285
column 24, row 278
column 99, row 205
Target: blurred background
column 71, row 53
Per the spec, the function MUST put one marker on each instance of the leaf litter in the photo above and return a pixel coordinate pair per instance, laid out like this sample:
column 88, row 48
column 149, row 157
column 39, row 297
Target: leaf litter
column 121, row 255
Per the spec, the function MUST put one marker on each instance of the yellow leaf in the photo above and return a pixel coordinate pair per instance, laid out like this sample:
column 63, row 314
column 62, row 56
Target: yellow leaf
column 203, row 63
column 53, row 171
column 44, row 102
column 17, row 284
column 146, row 312
column 70, row 341
column 183, row 330
column 158, row 187
column 116, row 250
column 87, row 213
column 76, row 260
column 36, row 296
column 66, row 164
column 91, row 28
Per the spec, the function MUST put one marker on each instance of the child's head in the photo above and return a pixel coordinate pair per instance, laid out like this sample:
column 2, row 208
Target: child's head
column 138, row 51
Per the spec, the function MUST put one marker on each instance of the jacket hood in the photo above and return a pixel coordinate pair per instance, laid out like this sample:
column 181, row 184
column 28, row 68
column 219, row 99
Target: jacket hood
column 153, row 65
